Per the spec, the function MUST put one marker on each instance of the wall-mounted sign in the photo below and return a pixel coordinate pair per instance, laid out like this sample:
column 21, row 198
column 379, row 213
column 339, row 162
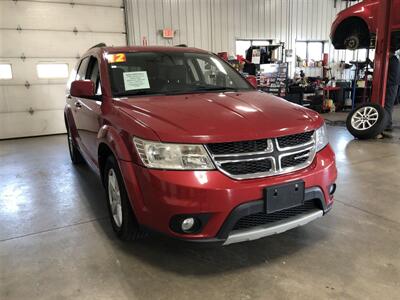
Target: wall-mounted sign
column 256, row 55
column 168, row 33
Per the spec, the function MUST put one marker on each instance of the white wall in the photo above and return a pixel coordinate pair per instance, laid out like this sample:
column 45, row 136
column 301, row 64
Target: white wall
column 216, row 24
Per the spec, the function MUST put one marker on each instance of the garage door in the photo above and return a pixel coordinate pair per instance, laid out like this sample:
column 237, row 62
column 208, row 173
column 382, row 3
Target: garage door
column 40, row 42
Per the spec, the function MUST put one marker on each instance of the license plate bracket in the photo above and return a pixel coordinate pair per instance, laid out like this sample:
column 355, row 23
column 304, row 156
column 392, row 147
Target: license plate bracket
column 284, row 196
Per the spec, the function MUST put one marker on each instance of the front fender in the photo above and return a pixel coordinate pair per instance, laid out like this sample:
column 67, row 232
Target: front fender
column 113, row 139
column 122, row 149
column 364, row 13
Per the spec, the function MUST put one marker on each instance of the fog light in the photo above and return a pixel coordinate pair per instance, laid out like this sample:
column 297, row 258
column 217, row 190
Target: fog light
column 187, row 224
column 332, row 189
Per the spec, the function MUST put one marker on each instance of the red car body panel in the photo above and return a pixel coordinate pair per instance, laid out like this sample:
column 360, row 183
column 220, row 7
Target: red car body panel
column 162, row 194
column 368, row 11
column 224, row 117
column 157, row 195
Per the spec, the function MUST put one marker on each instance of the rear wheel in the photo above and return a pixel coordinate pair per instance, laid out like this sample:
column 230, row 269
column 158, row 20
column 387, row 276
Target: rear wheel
column 367, row 121
column 119, row 207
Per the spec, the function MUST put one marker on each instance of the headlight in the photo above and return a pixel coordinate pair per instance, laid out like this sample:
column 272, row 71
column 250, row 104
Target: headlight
column 321, row 138
column 173, row 156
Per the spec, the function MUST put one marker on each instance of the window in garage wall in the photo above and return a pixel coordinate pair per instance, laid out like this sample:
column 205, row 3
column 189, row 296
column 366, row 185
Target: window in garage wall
column 315, row 51
column 243, row 44
column 301, row 50
column 358, row 55
column 347, row 56
column 5, row 71
column 52, row 70
column 310, row 50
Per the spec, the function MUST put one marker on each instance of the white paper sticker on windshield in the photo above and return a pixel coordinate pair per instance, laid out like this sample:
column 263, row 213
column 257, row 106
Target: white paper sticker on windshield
column 136, row 80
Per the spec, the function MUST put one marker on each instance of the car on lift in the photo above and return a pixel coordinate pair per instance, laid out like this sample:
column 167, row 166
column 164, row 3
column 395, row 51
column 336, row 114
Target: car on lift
column 185, row 146
column 355, row 27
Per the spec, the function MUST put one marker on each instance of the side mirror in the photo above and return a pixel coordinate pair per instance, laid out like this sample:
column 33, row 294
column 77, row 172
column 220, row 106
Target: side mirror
column 82, row 89
column 252, row 80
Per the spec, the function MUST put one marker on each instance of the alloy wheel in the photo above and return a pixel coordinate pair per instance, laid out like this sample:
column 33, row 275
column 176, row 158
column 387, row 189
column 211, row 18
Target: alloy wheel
column 364, row 118
column 114, row 197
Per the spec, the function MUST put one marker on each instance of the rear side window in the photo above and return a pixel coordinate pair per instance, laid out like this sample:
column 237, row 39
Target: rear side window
column 81, row 74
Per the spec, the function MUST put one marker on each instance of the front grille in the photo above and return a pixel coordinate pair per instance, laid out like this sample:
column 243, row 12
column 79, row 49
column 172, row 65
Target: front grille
column 263, row 218
column 294, row 159
column 248, row 167
column 266, row 157
column 295, row 139
column 238, row 147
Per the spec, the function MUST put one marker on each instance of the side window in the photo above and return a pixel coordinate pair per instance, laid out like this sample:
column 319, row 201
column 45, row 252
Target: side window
column 193, row 71
column 209, row 70
column 93, row 74
column 81, row 74
column 214, row 72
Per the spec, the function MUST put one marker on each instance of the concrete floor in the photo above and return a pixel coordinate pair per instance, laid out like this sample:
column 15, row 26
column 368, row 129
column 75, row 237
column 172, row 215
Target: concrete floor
column 56, row 241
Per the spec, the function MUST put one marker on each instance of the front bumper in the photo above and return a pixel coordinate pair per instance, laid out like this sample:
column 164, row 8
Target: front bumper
column 256, row 207
column 158, row 195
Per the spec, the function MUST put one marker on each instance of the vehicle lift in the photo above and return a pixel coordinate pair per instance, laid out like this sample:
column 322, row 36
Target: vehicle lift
column 372, row 116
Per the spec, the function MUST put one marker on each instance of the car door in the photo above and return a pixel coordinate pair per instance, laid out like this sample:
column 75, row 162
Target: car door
column 74, row 101
column 90, row 111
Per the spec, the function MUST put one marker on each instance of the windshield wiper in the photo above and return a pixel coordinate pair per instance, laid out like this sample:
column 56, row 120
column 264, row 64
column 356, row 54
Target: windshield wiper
column 177, row 91
column 198, row 89
column 215, row 88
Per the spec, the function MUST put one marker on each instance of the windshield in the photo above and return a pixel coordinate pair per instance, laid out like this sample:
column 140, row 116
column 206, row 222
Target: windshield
column 149, row 73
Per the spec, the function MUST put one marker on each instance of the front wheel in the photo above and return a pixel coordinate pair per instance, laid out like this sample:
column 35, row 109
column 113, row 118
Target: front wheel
column 119, row 207
column 75, row 155
column 367, row 121
column 352, row 42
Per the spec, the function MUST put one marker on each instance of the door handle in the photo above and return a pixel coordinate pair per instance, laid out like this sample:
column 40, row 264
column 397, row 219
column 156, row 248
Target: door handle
column 78, row 105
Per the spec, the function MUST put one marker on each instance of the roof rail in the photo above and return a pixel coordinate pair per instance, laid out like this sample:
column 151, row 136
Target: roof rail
column 181, row 45
column 98, row 45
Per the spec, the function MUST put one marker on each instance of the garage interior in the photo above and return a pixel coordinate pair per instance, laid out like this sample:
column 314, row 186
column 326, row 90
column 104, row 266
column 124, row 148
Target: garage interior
column 56, row 241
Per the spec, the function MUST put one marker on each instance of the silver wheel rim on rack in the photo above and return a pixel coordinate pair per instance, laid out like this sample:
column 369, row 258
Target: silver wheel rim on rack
column 364, row 118
column 114, row 197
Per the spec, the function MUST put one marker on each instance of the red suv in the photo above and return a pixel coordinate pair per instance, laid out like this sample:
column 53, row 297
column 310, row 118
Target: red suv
column 185, row 146
column 354, row 27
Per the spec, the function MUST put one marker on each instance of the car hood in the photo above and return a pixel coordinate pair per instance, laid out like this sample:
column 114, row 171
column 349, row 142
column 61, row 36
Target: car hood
column 219, row 117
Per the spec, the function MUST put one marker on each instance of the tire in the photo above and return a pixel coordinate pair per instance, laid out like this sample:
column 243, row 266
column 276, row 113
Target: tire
column 122, row 218
column 352, row 42
column 75, row 155
column 367, row 121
